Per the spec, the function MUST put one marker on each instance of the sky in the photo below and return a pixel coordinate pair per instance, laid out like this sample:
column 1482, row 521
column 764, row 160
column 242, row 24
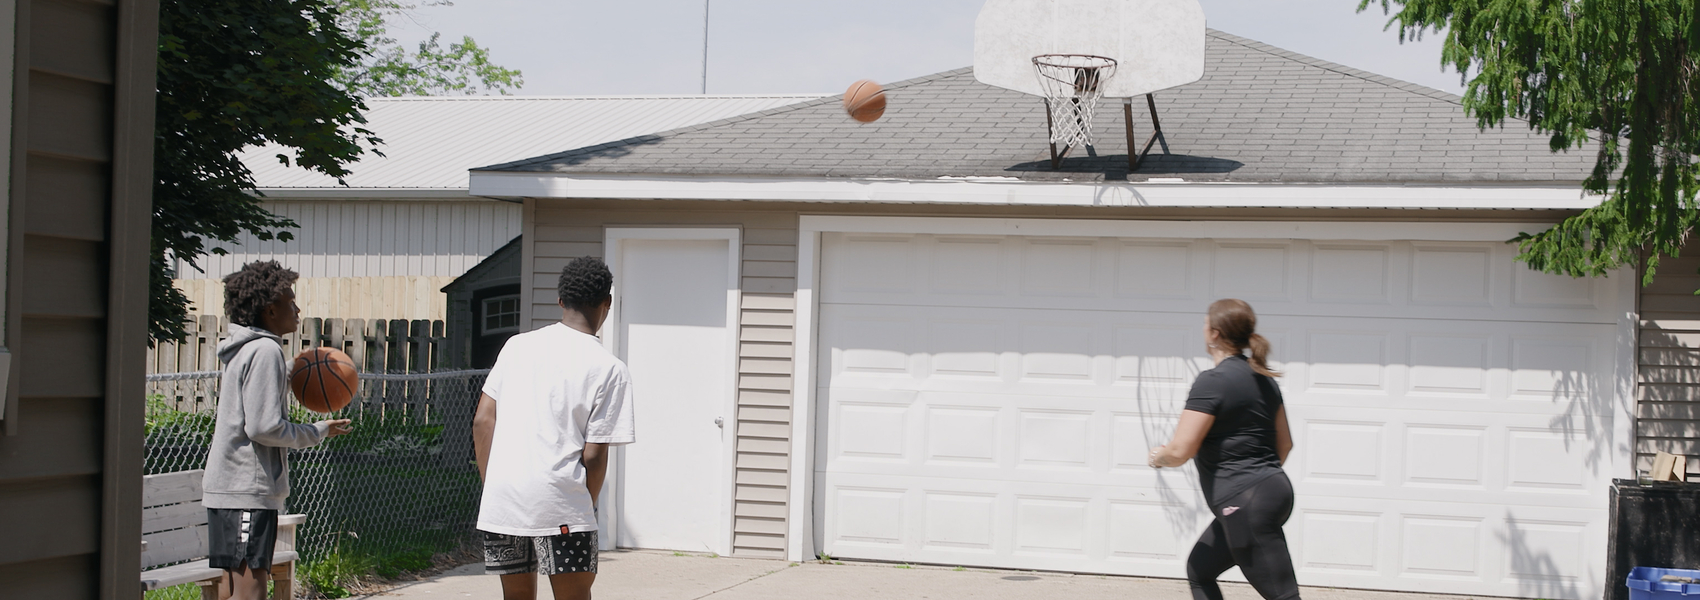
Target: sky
column 648, row 47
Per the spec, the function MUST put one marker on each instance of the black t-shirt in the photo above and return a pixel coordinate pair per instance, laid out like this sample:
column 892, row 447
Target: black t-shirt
column 1239, row 450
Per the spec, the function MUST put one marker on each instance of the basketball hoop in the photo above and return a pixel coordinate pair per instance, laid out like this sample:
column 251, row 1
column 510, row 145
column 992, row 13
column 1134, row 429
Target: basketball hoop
column 1073, row 84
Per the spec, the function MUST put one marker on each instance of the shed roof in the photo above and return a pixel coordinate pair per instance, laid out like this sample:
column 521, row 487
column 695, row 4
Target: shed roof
column 483, row 268
column 1261, row 114
column 429, row 143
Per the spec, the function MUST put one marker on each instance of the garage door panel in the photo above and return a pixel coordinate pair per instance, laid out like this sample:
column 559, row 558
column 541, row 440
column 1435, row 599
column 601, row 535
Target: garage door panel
column 1354, row 273
column 1452, row 412
column 1448, row 547
column 1255, row 271
column 1447, row 456
column 1156, row 270
column 993, row 521
column 1520, row 367
column 1426, row 280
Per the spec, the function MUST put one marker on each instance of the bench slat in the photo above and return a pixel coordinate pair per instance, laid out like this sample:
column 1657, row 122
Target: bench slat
column 173, row 516
column 172, row 488
column 173, row 546
column 165, row 577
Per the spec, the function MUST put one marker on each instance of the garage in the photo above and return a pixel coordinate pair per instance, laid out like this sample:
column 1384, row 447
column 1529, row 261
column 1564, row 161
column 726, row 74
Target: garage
column 986, row 391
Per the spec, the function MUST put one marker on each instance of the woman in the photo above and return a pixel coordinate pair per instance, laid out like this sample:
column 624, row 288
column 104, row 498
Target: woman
column 1236, row 427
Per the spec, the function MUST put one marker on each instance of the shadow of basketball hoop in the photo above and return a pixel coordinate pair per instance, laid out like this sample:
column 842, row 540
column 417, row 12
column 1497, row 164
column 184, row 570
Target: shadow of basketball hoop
column 1114, row 166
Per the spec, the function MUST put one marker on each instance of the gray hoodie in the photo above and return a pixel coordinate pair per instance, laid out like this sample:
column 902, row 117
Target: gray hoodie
column 249, row 464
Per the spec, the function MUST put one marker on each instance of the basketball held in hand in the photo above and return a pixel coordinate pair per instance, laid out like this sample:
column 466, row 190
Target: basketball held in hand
column 323, row 380
column 865, row 101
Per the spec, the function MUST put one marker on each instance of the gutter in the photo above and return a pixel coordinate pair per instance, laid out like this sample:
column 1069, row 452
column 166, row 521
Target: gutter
column 1176, row 192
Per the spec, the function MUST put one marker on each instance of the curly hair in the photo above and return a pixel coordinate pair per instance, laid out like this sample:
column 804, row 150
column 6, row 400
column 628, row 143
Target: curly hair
column 585, row 282
column 249, row 291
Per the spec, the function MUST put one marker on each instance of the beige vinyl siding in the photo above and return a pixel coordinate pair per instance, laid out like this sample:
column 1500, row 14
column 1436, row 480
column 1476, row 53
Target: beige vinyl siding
column 563, row 231
column 1668, row 411
column 375, row 238
column 70, row 475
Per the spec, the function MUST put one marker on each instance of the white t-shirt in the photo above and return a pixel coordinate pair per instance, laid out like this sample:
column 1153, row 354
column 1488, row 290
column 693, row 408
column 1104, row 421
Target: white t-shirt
column 556, row 389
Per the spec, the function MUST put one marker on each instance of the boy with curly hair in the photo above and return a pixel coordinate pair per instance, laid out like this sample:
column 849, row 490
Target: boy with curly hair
column 247, row 476
column 563, row 400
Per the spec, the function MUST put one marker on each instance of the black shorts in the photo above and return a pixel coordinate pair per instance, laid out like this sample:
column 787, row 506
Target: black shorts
column 547, row 555
column 237, row 537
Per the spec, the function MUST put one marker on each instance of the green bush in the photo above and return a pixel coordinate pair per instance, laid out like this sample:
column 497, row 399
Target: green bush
column 167, row 426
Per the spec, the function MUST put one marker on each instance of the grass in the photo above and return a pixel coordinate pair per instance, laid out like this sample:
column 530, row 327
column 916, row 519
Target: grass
column 187, row 591
column 353, row 563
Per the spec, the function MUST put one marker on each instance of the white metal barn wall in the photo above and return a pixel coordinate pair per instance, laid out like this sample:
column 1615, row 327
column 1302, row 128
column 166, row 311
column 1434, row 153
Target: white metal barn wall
column 1458, row 418
column 371, row 238
column 366, row 258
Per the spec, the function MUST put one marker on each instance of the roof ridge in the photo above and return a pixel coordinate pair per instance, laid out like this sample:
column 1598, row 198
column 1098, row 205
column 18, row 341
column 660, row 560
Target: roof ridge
column 662, row 135
column 1399, row 84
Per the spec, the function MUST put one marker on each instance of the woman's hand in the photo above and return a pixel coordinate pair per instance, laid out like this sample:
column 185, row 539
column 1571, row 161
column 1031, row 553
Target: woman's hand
column 1155, row 458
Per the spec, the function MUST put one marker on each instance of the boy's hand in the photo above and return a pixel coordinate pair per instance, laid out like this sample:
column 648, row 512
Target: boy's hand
column 336, row 427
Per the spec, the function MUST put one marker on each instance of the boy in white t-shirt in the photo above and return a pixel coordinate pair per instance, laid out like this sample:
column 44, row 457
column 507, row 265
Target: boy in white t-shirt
column 562, row 400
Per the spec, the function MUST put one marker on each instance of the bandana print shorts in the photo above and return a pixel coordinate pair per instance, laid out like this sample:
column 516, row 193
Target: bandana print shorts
column 547, row 555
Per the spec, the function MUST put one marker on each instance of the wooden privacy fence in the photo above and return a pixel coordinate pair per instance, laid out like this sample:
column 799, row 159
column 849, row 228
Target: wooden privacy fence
column 376, row 345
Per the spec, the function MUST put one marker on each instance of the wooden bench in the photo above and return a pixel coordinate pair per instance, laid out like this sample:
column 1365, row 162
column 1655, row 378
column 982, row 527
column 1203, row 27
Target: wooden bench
column 174, row 530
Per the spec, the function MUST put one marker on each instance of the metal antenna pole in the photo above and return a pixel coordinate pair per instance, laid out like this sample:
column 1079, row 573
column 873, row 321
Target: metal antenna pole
column 705, row 47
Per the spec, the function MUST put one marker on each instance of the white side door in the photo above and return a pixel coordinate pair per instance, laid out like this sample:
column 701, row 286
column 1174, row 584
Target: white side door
column 675, row 325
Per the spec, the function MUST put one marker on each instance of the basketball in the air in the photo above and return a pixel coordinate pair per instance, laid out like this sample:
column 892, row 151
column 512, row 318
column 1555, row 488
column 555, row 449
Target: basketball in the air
column 865, row 101
column 323, row 380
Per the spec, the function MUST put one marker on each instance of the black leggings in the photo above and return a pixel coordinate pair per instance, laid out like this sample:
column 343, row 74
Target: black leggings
column 1249, row 536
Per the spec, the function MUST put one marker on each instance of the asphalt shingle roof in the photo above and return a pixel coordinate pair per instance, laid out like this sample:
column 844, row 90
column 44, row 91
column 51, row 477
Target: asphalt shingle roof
column 1261, row 114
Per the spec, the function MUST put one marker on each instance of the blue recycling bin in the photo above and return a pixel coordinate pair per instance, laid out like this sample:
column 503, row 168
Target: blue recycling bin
column 1644, row 584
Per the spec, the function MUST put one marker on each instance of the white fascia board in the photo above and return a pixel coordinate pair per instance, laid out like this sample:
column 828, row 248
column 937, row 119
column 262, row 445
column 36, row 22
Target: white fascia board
column 349, row 193
column 1118, row 228
column 1012, row 191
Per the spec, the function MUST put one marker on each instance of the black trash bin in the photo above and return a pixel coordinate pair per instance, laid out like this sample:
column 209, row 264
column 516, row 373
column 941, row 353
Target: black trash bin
column 1653, row 525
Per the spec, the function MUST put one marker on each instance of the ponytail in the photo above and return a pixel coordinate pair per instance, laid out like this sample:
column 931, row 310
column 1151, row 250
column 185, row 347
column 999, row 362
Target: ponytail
column 1236, row 323
column 1260, row 356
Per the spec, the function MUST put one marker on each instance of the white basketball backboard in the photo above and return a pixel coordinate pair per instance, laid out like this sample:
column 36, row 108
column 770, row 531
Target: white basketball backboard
column 1158, row 44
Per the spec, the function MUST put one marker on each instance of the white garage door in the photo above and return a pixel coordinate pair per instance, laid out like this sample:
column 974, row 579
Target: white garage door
column 990, row 401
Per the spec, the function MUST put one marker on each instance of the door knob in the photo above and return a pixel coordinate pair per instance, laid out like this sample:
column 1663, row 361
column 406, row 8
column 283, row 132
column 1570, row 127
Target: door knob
column 719, row 422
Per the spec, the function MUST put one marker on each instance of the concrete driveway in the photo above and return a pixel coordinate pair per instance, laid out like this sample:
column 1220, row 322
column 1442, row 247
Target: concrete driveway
column 647, row 575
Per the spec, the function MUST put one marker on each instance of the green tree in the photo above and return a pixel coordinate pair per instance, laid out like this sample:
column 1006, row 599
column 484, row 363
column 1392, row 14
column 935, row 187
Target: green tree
column 1620, row 74
column 390, row 69
column 241, row 73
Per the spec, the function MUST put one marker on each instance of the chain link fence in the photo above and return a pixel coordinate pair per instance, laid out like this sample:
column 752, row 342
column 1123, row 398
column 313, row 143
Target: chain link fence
column 402, row 484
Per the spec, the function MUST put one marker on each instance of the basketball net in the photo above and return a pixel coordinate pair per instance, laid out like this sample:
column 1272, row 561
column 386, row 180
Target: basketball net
column 1073, row 85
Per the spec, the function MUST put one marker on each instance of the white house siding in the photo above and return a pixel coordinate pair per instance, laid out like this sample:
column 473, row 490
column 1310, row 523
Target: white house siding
column 565, row 230
column 1668, row 414
column 366, row 258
